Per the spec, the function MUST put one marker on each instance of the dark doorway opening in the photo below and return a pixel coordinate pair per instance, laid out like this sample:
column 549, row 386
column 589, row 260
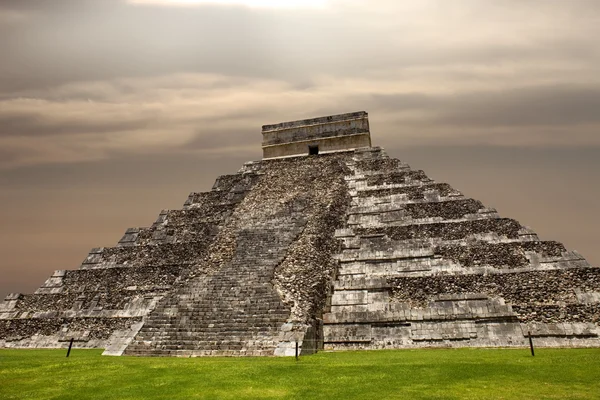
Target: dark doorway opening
column 313, row 150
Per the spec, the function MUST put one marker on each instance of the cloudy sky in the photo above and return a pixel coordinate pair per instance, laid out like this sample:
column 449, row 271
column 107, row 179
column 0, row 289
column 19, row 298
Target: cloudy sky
column 111, row 110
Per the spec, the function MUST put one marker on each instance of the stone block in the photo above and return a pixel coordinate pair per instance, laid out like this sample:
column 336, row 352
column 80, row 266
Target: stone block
column 347, row 333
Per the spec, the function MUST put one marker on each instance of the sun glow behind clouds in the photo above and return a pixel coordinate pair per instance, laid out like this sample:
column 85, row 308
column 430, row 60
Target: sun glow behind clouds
column 246, row 3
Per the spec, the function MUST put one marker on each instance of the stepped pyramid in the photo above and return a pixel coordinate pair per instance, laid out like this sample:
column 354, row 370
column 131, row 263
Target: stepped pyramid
column 327, row 242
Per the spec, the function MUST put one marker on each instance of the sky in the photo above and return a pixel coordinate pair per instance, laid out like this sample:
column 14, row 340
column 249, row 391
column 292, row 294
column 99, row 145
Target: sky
column 111, row 110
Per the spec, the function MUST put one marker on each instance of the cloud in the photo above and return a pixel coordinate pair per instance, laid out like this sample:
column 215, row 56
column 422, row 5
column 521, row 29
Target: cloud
column 556, row 105
column 245, row 3
column 523, row 107
column 94, row 40
column 212, row 114
column 141, row 115
column 88, row 79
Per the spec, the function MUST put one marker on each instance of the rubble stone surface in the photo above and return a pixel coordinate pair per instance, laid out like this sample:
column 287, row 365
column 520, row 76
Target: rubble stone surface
column 508, row 255
column 508, row 228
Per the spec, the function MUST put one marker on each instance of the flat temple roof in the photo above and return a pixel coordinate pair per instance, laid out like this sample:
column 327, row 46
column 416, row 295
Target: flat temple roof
column 314, row 121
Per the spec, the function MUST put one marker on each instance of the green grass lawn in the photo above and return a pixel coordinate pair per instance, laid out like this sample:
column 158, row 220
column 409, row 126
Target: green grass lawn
column 402, row 374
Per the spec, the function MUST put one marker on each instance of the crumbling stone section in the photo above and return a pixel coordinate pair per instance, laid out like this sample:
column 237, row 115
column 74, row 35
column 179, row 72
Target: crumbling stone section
column 535, row 296
column 304, row 276
column 518, row 287
column 76, row 288
column 111, row 302
column 45, row 302
column 152, row 255
column 183, row 226
column 561, row 313
column 233, row 184
column 121, row 279
column 209, row 202
column 194, row 220
column 380, row 165
column 413, row 192
column 455, row 209
column 504, row 227
column 87, row 328
column 499, row 255
column 397, row 177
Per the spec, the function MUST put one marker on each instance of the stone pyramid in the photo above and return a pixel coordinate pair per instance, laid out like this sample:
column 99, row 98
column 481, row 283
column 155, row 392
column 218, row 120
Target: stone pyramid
column 327, row 242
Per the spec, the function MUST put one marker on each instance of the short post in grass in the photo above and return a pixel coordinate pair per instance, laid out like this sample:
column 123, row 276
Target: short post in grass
column 70, row 345
column 531, row 343
column 296, row 350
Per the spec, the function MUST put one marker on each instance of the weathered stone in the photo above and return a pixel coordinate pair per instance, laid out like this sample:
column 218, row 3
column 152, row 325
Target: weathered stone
column 418, row 255
column 346, row 250
column 317, row 135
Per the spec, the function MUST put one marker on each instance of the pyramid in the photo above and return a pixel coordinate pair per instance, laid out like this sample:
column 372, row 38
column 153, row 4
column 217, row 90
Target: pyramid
column 325, row 243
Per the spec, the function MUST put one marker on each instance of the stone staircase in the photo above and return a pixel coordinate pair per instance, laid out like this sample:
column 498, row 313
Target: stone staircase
column 236, row 309
column 103, row 303
column 233, row 312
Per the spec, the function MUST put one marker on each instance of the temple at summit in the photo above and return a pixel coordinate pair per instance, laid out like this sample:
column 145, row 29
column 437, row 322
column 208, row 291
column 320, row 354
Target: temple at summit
column 327, row 242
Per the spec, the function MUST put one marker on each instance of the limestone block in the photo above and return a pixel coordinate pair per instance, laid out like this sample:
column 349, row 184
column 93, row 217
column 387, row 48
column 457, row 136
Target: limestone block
column 344, row 232
column 391, row 336
column 351, row 243
column 500, row 334
column 349, row 297
column 587, row 297
column 55, row 281
column 13, row 296
column 130, row 237
column 346, row 309
column 347, row 333
column 352, row 268
column 393, row 216
column 427, row 331
column 120, row 339
column 285, row 349
column 94, row 257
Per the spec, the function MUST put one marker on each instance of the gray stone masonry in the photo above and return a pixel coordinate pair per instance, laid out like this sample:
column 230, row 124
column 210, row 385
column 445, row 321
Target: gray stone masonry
column 346, row 250
column 324, row 134
column 423, row 266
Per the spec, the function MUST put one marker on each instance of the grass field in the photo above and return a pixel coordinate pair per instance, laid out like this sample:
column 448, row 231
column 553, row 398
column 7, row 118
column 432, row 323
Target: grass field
column 403, row 374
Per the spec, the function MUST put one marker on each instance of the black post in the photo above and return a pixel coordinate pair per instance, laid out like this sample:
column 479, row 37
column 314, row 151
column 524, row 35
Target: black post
column 531, row 344
column 70, row 345
column 296, row 350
